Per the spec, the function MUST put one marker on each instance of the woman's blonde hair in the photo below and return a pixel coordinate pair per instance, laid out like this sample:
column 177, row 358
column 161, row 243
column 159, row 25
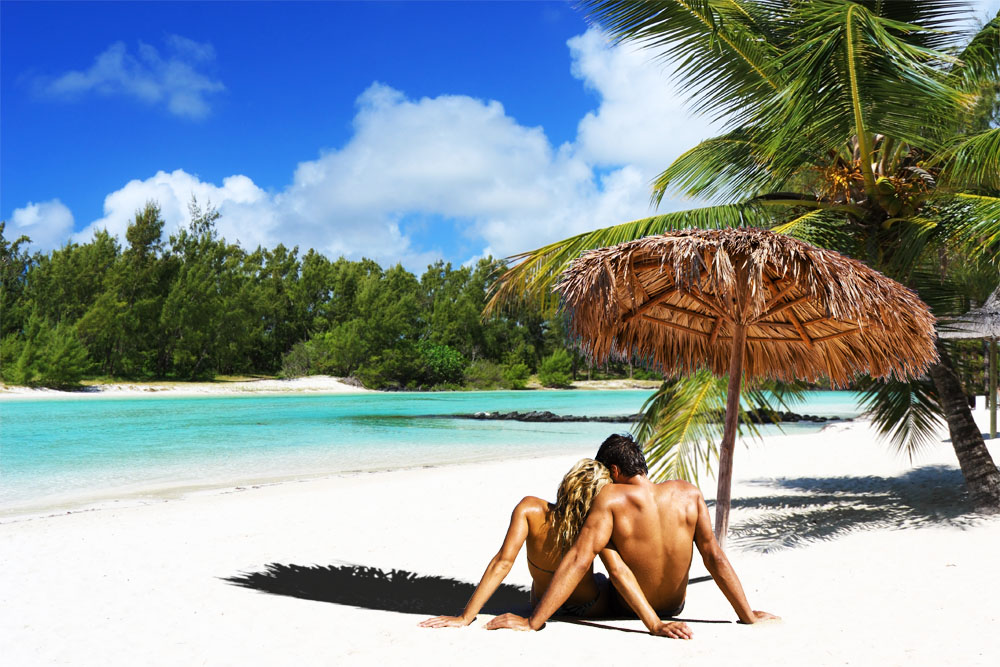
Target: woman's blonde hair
column 576, row 492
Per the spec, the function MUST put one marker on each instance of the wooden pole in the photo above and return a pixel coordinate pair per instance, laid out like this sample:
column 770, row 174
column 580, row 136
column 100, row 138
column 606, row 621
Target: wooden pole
column 723, row 495
column 993, row 388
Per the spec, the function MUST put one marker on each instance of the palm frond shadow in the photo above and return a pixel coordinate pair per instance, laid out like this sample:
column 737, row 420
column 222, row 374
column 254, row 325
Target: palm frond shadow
column 372, row 588
column 825, row 508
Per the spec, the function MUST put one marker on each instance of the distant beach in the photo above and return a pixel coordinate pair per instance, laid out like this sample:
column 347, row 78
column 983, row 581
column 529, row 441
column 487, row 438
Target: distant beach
column 312, row 384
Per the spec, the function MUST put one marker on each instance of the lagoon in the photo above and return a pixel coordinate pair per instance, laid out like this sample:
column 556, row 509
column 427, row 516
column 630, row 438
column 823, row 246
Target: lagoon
column 66, row 454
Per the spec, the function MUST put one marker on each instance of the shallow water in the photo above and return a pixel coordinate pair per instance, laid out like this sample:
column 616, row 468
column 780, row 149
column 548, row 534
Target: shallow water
column 56, row 453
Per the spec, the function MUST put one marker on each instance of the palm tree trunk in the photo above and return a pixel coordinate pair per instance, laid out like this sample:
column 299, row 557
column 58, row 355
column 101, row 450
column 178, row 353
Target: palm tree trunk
column 981, row 475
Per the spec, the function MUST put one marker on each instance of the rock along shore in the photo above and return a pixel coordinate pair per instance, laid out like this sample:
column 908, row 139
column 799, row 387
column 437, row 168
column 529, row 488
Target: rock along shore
column 756, row 416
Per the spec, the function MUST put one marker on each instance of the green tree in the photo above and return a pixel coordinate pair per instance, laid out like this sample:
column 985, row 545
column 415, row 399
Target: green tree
column 555, row 369
column 15, row 265
column 851, row 125
column 51, row 356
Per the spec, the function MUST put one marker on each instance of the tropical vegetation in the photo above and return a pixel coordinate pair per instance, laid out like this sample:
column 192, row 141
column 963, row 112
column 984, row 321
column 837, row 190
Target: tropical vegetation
column 196, row 306
column 868, row 127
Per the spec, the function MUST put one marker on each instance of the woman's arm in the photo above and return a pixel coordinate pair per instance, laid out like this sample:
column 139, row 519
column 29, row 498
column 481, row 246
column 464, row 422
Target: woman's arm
column 627, row 586
column 495, row 573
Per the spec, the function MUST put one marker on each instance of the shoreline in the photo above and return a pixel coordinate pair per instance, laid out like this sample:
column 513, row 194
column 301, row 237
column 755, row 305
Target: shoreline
column 309, row 385
column 184, row 490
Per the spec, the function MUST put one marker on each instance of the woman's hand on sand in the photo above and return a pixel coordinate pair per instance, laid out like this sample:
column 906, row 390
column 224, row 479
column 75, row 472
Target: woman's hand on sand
column 446, row 622
column 672, row 629
column 508, row 622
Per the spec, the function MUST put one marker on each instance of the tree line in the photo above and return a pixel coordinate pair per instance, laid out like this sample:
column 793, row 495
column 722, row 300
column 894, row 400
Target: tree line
column 195, row 306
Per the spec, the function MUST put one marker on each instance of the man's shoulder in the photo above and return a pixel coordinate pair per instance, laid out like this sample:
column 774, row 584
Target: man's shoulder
column 680, row 489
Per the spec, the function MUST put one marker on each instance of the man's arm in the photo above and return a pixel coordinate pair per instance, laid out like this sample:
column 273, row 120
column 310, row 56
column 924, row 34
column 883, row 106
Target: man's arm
column 594, row 536
column 722, row 572
column 628, row 587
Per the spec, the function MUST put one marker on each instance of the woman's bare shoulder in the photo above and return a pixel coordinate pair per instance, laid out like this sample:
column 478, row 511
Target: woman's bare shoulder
column 531, row 505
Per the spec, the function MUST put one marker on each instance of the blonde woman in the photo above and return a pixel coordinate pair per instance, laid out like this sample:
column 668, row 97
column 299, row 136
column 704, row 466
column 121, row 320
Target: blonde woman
column 549, row 531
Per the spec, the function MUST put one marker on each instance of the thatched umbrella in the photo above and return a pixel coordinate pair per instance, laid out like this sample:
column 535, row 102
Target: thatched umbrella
column 744, row 302
column 982, row 322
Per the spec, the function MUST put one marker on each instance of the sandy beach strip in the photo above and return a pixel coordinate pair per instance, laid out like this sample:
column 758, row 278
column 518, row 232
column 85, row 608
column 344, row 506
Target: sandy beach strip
column 313, row 384
column 870, row 560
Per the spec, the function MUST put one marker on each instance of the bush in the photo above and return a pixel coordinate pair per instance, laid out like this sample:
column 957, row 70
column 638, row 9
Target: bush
column 517, row 375
column 10, row 352
column 297, row 362
column 554, row 371
column 441, row 364
column 483, row 374
column 50, row 357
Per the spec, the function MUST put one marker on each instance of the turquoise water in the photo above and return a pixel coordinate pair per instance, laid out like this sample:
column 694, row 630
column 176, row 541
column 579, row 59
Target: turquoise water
column 56, row 453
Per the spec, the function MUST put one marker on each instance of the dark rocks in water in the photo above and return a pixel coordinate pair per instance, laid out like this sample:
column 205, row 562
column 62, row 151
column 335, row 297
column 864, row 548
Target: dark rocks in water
column 758, row 416
column 546, row 416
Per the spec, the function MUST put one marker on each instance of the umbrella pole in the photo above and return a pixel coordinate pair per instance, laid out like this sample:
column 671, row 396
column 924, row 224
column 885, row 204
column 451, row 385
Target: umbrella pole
column 723, row 494
column 993, row 388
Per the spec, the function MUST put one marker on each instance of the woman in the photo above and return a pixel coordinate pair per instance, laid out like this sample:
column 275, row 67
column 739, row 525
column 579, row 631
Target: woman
column 549, row 531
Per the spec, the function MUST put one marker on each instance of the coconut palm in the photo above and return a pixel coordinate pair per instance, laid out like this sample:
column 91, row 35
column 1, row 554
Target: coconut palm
column 854, row 125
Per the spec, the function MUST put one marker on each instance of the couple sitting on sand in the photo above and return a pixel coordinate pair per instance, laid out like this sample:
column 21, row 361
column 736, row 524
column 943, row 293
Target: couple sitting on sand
column 642, row 531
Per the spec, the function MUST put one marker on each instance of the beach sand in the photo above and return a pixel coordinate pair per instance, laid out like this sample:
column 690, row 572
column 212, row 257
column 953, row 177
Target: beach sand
column 312, row 384
column 869, row 559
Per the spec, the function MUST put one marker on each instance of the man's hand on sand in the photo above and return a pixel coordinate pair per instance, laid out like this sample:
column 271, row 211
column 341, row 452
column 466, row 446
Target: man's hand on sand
column 445, row 622
column 764, row 616
column 672, row 629
column 509, row 622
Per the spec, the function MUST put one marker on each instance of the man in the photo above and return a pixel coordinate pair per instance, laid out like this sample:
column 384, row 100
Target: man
column 653, row 528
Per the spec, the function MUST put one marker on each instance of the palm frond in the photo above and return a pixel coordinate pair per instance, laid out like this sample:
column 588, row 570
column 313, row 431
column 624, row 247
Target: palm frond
column 979, row 62
column 824, row 228
column 728, row 168
column 972, row 221
column 536, row 271
column 723, row 51
column 907, row 414
column 853, row 73
column 943, row 20
column 683, row 421
column 973, row 163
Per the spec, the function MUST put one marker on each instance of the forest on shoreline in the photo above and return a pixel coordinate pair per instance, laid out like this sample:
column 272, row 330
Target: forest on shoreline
column 195, row 306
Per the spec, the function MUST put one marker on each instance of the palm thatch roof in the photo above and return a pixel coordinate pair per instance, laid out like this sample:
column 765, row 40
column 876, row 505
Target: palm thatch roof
column 674, row 300
column 982, row 322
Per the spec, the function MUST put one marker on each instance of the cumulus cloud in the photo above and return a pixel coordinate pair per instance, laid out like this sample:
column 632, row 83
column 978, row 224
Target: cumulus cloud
column 48, row 224
column 147, row 76
column 450, row 158
column 641, row 119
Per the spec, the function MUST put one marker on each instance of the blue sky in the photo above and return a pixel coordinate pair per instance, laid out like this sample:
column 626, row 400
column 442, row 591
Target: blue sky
column 397, row 131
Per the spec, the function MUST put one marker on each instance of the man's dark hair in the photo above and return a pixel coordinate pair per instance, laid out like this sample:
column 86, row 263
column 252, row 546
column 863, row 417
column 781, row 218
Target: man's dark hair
column 622, row 451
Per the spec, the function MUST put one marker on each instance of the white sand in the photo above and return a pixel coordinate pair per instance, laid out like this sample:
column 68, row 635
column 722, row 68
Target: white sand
column 868, row 563
column 315, row 384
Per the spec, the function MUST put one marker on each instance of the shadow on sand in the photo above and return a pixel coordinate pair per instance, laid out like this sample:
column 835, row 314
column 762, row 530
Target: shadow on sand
column 825, row 508
column 372, row 588
column 395, row 590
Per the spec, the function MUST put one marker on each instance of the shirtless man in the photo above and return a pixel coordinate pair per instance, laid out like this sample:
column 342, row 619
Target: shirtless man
column 653, row 528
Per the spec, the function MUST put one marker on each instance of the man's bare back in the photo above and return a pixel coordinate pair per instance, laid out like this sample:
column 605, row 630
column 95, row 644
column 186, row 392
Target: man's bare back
column 665, row 515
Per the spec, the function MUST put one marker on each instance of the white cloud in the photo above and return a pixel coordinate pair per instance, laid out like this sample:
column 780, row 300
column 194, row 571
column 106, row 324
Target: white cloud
column 450, row 157
column 148, row 77
column 48, row 224
column 641, row 120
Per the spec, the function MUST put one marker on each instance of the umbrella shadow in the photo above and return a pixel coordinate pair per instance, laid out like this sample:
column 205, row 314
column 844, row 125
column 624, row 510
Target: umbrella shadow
column 825, row 508
column 371, row 588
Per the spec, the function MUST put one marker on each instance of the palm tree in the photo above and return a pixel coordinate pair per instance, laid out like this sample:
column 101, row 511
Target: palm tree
column 861, row 126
